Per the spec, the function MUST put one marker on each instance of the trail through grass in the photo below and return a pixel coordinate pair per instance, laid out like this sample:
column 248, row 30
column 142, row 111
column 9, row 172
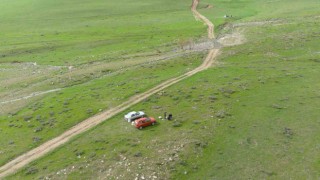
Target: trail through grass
column 255, row 116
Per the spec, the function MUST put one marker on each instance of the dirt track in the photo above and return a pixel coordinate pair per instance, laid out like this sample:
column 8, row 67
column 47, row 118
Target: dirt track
column 30, row 96
column 199, row 16
column 85, row 125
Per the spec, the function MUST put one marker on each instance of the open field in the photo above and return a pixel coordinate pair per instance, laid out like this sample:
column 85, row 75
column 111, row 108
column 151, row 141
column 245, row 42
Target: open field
column 256, row 115
column 61, row 110
column 57, row 57
column 227, row 123
column 50, row 45
column 89, row 123
column 77, row 32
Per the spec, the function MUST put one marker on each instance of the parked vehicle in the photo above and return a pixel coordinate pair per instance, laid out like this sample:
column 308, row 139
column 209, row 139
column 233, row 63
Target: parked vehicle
column 144, row 122
column 131, row 116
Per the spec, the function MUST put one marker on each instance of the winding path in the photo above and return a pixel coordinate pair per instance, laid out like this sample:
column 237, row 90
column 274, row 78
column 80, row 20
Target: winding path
column 91, row 122
column 199, row 16
column 31, row 96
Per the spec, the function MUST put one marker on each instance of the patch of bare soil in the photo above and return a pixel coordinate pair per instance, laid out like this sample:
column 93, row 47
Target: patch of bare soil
column 260, row 23
column 232, row 39
column 22, row 83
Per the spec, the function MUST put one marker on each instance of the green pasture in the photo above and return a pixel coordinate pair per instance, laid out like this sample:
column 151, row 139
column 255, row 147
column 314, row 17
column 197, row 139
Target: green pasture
column 254, row 116
column 252, row 10
column 76, row 32
column 57, row 112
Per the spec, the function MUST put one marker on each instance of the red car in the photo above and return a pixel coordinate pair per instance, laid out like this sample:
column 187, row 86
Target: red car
column 144, row 122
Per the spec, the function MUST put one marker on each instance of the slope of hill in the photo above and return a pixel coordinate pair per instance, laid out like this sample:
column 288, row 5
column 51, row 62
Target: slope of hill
column 253, row 116
column 83, row 60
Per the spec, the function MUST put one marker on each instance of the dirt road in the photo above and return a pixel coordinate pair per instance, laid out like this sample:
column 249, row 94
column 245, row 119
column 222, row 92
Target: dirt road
column 199, row 16
column 85, row 125
column 30, row 96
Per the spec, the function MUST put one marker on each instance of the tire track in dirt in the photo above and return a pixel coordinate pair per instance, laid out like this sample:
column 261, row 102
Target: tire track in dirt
column 199, row 16
column 31, row 96
column 91, row 122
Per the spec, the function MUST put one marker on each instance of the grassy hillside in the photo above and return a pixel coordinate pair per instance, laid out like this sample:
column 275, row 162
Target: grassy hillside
column 255, row 116
column 112, row 47
column 57, row 112
column 94, row 38
column 75, row 32
column 251, row 10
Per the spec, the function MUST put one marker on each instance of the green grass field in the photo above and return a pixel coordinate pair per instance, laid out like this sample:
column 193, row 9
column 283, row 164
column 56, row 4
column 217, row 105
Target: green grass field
column 94, row 37
column 50, row 116
column 76, row 32
column 254, row 116
column 113, row 47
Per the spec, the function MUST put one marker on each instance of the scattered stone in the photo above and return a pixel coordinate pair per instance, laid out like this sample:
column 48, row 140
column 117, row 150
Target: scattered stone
column 177, row 124
column 38, row 129
column 156, row 107
column 183, row 163
column 221, row 114
column 213, row 98
column 36, row 139
column 196, row 122
column 31, row 170
column 89, row 111
column 288, row 132
column 138, row 154
column 276, row 106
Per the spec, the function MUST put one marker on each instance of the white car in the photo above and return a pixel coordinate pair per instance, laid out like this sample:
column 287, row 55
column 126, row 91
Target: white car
column 131, row 116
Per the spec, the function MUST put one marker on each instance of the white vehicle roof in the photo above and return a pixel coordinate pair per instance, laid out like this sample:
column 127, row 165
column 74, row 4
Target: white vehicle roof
column 140, row 112
column 130, row 113
column 134, row 112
